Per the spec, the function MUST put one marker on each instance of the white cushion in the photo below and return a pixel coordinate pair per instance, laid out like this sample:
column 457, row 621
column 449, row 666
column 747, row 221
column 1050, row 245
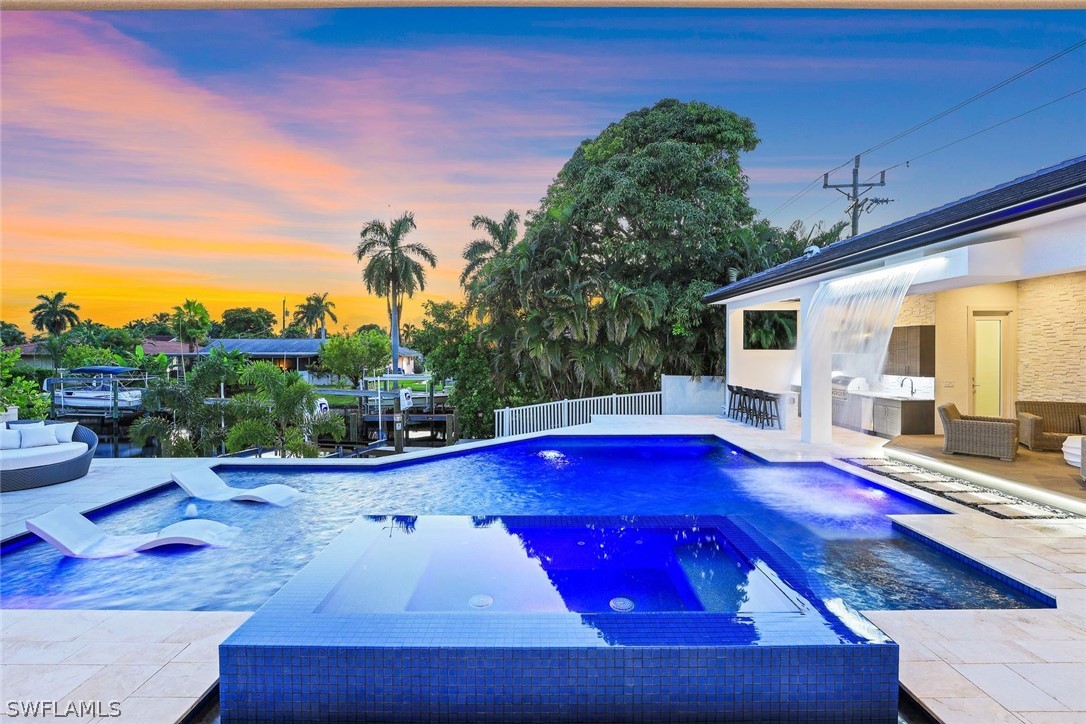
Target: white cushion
column 9, row 439
column 20, row 424
column 37, row 437
column 64, row 431
column 35, row 456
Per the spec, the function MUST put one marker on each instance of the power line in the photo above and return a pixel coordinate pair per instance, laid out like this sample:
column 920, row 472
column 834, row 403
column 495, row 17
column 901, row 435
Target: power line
column 983, row 130
column 977, row 97
column 932, row 119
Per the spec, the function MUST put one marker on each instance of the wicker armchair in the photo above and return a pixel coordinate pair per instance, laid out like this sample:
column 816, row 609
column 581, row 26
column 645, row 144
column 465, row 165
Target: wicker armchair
column 995, row 437
column 1045, row 425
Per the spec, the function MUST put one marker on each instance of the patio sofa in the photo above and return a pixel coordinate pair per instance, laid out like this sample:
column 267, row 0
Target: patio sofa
column 35, row 467
column 1046, row 425
column 994, row 437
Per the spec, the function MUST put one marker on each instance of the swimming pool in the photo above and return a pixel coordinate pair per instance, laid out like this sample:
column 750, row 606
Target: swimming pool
column 834, row 524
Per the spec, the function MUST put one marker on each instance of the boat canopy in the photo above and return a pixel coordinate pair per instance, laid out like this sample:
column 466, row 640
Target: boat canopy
column 103, row 370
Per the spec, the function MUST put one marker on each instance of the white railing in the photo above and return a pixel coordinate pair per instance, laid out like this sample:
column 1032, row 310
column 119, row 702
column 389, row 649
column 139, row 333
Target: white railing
column 555, row 415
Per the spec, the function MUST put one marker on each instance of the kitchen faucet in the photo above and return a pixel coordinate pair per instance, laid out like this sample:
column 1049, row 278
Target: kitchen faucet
column 912, row 386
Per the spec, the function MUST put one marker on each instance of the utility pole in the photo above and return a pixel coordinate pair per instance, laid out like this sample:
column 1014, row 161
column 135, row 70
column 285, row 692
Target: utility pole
column 857, row 205
column 283, row 329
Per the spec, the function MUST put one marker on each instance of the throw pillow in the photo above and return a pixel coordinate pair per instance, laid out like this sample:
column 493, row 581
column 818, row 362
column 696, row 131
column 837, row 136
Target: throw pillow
column 9, row 439
column 64, row 431
column 34, row 436
column 19, row 425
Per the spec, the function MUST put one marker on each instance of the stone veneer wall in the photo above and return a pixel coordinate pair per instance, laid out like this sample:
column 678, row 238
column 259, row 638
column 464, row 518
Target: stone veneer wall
column 1052, row 338
column 916, row 310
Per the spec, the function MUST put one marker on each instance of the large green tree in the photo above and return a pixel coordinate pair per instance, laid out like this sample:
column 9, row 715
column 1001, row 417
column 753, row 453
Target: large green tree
column 603, row 293
column 246, row 322
column 350, row 355
column 444, row 324
column 10, row 334
column 394, row 268
column 53, row 314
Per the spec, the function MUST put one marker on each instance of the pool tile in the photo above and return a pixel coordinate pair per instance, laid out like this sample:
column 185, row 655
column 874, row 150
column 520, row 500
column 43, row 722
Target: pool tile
column 929, row 679
column 140, row 710
column 112, row 683
column 1064, row 682
column 38, row 652
column 111, row 652
column 54, row 625
column 179, row 680
column 42, row 682
column 975, row 709
column 1008, row 688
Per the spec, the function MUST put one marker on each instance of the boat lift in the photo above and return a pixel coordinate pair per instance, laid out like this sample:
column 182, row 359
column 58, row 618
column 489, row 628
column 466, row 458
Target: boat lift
column 393, row 402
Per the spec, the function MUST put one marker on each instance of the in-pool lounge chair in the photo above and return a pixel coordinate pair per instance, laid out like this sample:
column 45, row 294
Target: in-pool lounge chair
column 73, row 535
column 204, row 484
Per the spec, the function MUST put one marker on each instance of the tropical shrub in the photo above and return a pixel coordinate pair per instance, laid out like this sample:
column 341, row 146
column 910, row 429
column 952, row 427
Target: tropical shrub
column 279, row 413
column 24, row 393
column 83, row 355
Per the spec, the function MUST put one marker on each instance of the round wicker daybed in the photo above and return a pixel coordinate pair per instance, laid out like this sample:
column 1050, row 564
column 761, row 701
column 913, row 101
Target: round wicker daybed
column 27, row 471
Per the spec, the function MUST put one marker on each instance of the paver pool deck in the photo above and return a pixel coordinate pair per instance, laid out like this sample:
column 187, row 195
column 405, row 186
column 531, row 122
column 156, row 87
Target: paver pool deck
column 963, row 666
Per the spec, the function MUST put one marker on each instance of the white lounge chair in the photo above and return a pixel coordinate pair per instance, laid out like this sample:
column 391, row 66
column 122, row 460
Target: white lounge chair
column 73, row 535
column 204, row 484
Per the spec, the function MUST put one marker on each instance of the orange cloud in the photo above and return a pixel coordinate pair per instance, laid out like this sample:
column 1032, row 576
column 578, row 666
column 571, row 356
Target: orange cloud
column 133, row 186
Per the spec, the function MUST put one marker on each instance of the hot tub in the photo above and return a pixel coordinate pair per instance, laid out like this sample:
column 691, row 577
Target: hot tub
column 528, row 618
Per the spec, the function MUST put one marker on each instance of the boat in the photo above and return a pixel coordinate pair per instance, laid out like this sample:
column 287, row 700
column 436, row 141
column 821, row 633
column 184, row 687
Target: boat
column 93, row 389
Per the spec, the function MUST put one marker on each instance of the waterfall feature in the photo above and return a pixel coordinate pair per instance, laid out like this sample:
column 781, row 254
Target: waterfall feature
column 852, row 319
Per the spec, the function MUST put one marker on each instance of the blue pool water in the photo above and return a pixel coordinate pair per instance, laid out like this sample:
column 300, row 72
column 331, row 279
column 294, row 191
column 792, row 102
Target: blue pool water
column 834, row 524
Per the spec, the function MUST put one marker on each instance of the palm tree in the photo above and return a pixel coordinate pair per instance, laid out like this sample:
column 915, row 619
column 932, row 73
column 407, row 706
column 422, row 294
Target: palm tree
column 391, row 270
column 502, row 237
column 53, row 314
column 192, row 322
column 314, row 311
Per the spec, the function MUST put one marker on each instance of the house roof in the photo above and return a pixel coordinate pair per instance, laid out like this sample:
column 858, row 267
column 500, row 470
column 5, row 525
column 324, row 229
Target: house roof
column 1046, row 190
column 276, row 347
column 267, row 347
column 29, row 349
column 151, row 346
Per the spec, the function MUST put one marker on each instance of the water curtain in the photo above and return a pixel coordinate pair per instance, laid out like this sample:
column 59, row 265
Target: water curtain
column 852, row 319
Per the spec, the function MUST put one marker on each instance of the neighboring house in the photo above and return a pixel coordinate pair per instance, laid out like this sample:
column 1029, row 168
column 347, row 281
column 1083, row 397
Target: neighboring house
column 292, row 354
column 408, row 357
column 34, row 354
column 999, row 275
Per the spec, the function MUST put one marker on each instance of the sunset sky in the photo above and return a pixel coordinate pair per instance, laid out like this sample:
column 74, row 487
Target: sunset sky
column 232, row 157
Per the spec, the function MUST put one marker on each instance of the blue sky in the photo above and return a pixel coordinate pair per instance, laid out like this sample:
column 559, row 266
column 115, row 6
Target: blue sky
column 179, row 137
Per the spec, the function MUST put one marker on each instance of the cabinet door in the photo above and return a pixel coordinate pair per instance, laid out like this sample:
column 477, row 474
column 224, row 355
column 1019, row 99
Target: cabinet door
column 878, row 416
column 893, row 420
column 912, row 351
column 895, row 352
column 927, row 351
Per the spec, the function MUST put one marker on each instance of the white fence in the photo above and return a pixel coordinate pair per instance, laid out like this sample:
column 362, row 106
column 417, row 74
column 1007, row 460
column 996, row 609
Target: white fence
column 555, row 415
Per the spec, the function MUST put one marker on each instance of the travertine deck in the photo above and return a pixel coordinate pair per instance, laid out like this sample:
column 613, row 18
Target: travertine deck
column 964, row 666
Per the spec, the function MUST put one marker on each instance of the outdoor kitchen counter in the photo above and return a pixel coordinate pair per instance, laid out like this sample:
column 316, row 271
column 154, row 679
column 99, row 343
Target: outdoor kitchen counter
column 891, row 396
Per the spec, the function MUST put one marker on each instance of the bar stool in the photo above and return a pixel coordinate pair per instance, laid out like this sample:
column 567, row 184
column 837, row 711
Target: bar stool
column 733, row 401
column 746, row 404
column 768, row 409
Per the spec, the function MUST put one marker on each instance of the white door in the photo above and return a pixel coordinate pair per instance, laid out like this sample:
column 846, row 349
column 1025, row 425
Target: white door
column 988, row 366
